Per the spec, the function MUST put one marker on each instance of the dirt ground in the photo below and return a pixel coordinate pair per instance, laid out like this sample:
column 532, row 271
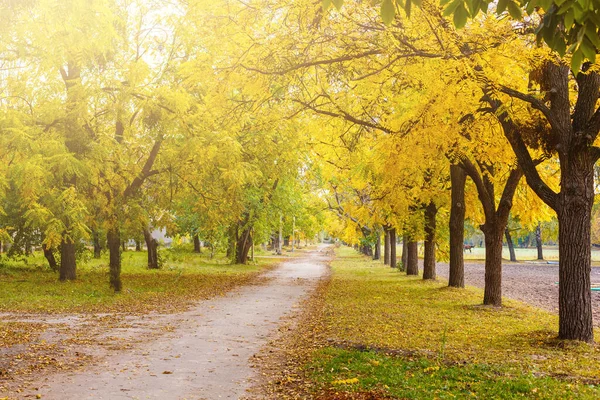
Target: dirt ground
column 531, row 282
column 204, row 353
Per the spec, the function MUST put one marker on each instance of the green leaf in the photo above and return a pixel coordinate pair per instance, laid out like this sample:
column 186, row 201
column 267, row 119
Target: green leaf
column 588, row 49
column 576, row 60
column 514, row 10
column 338, row 3
column 326, row 4
column 460, row 16
column 452, row 7
column 501, row 6
column 388, row 11
column 591, row 34
column 407, row 8
column 474, row 7
column 569, row 19
column 417, row 3
column 545, row 4
column 560, row 45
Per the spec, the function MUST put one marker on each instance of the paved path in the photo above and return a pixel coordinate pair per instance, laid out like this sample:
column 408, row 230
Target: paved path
column 207, row 355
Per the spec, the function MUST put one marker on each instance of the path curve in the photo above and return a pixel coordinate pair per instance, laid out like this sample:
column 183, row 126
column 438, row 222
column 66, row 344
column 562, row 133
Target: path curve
column 207, row 355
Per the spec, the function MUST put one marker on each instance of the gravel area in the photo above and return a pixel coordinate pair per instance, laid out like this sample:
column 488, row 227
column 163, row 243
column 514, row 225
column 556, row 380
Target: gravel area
column 531, row 282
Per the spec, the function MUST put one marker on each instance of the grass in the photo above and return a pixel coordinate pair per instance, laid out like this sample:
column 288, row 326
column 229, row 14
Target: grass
column 401, row 336
column 30, row 286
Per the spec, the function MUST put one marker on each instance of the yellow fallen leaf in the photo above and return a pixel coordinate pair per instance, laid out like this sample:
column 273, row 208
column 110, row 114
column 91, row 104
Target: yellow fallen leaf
column 350, row 381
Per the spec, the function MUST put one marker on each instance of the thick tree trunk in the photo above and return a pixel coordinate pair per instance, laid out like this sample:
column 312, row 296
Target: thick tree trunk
column 458, row 179
column 493, row 265
column 412, row 258
column 393, row 262
column 49, row 254
column 113, row 240
column 386, row 247
column 68, row 263
column 429, row 254
column 152, row 246
column 538, row 242
column 510, row 244
column 404, row 260
column 243, row 246
column 574, row 247
column 197, row 248
column 377, row 252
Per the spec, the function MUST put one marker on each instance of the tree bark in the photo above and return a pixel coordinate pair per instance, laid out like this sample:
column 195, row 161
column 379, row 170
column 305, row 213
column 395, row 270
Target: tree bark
column 113, row 240
column 197, row 248
column 152, row 246
column 377, row 252
column 458, row 178
column 68, row 263
column 574, row 247
column 493, row 264
column 49, row 255
column 393, row 262
column 429, row 254
column 412, row 258
column 538, row 242
column 138, row 245
column 386, row 246
column 404, row 260
column 280, row 237
column 510, row 244
column 243, row 246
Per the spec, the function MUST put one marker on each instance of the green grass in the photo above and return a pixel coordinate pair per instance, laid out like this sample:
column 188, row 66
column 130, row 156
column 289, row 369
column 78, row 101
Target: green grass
column 431, row 341
column 420, row 378
column 30, row 286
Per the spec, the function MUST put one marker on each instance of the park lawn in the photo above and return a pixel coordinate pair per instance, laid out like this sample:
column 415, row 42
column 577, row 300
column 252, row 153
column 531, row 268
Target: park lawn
column 388, row 334
column 29, row 286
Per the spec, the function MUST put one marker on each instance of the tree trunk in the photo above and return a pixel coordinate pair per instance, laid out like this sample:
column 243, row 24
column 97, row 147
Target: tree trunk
column 49, row 254
column 574, row 248
column 493, row 264
column 197, row 248
column 68, row 264
column 429, row 255
column 124, row 246
column 97, row 245
column 404, row 260
column 377, row 252
column 393, row 262
column 511, row 246
column 113, row 240
column 243, row 246
column 138, row 245
column 458, row 179
column 152, row 246
column 538, row 242
column 386, row 247
column 280, row 237
column 412, row 258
